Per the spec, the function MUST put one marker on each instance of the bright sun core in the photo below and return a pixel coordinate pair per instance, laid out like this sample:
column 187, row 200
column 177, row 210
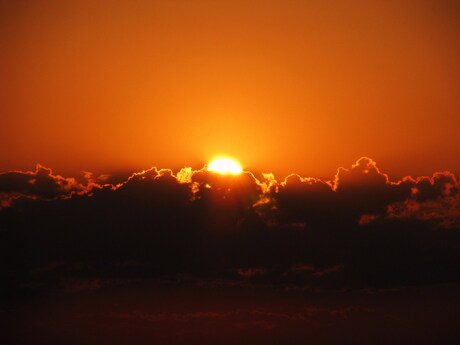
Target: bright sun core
column 225, row 166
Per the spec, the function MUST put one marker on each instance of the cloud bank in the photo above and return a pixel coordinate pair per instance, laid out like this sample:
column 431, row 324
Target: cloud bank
column 359, row 229
column 360, row 194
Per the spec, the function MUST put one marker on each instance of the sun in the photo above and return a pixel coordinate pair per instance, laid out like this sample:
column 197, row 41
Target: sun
column 225, row 166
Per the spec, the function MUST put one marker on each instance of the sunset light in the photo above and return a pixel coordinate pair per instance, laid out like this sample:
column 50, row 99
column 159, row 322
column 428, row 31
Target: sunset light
column 225, row 166
column 230, row 172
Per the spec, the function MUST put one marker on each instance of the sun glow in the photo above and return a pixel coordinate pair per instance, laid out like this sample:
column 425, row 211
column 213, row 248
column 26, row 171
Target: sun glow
column 225, row 166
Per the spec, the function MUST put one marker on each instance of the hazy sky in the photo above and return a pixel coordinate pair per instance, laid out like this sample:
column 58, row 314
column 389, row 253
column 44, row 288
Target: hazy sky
column 283, row 86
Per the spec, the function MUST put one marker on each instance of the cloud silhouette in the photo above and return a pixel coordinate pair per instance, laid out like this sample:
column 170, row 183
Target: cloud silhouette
column 361, row 190
column 360, row 229
column 433, row 199
column 361, row 194
column 40, row 184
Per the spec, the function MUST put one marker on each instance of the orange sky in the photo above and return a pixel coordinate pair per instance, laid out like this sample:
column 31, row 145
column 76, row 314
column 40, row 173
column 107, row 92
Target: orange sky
column 283, row 86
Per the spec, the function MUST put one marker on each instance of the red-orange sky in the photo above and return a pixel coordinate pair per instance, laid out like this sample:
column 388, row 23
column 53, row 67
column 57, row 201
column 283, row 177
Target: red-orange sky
column 283, row 86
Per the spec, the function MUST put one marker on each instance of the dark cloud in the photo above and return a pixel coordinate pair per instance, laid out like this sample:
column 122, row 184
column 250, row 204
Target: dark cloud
column 361, row 190
column 40, row 184
column 432, row 199
column 364, row 194
column 440, row 185
column 361, row 194
column 360, row 229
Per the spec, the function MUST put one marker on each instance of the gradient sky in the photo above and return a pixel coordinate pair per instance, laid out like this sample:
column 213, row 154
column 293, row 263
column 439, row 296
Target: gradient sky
column 283, row 86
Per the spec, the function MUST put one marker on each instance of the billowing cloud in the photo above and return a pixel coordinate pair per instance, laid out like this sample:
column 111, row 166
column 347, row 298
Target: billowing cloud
column 361, row 190
column 358, row 229
column 361, row 194
column 40, row 184
column 434, row 199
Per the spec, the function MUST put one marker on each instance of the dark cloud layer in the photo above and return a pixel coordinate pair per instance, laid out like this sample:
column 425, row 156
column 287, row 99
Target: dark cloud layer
column 358, row 230
column 40, row 184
